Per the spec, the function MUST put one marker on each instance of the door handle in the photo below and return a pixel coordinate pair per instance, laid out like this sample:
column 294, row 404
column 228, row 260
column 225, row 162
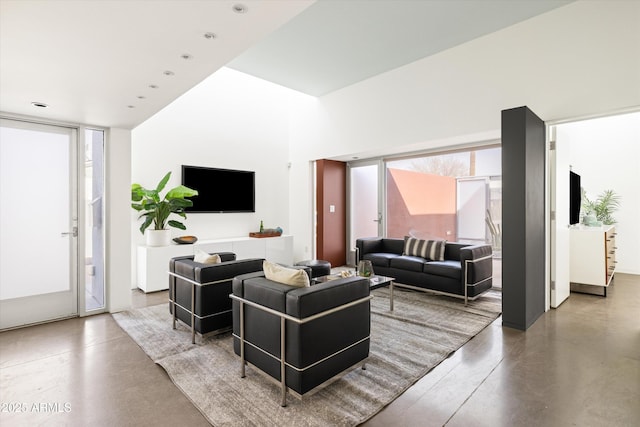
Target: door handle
column 73, row 232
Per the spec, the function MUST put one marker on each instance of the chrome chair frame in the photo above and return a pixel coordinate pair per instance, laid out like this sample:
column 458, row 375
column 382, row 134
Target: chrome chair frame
column 172, row 302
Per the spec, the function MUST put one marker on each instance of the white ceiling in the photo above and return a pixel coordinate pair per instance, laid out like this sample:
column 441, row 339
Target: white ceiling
column 91, row 61
column 336, row 43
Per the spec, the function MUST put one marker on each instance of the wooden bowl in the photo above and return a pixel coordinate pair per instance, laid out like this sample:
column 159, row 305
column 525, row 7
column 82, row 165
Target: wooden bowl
column 184, row 240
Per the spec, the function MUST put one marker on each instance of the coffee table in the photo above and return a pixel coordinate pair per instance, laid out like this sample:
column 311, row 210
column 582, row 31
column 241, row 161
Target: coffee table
column 376, row 281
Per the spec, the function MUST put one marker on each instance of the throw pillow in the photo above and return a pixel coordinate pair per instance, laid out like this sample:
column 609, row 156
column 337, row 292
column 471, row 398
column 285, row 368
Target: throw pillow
column 432, row 250
column 205, row 258
column 284, row 275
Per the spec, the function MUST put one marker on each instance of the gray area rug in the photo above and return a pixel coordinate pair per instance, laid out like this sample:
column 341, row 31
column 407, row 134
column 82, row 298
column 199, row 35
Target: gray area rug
column 407, row 343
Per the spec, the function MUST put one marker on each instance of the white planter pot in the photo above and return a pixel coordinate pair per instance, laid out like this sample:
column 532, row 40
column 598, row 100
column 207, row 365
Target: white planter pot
column 158, row 237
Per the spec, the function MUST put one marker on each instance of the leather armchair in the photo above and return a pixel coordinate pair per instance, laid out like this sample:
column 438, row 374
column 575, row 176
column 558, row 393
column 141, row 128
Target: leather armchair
column 301, row 337
column 199, row 293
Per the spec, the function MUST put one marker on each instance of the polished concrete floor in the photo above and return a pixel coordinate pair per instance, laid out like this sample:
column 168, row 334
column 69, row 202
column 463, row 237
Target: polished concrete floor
column 578, row 365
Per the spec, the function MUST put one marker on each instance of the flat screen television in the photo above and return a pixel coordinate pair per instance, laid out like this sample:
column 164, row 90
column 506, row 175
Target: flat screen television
column 220, row 190
column 575, row 197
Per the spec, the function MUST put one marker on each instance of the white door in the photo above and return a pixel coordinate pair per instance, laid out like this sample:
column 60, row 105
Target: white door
column 559, row 169
column 365, row 207
column 472, row 204
column 38, row 223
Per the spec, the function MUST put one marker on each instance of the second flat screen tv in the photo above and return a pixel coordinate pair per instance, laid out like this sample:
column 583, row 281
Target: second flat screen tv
column 220, row 190
column 575, row 197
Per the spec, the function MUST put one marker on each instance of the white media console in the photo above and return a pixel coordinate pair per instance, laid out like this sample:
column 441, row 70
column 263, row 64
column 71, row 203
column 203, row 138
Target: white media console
column 153, row 262
column 593, row 256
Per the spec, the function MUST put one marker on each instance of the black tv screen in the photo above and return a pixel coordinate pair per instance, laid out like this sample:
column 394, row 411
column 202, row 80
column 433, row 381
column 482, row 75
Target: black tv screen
column 575, row 197
column 220, row 190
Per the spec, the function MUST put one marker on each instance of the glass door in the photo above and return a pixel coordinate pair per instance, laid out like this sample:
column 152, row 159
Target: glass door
column 38, row 223
column 472, row 206
column 365, row 207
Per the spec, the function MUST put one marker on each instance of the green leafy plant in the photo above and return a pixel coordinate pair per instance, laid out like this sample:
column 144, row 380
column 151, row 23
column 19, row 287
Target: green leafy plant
column 156, row 209
column 603, row 206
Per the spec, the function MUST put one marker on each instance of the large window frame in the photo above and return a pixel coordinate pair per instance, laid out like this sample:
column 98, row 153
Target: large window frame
column 383, row 163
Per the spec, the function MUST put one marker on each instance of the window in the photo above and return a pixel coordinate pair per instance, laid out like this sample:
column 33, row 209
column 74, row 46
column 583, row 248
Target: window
column 453, row 196
column 94, row 222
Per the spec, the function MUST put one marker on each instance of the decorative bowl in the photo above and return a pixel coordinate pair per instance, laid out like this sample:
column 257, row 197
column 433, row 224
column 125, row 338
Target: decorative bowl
column 184, row 240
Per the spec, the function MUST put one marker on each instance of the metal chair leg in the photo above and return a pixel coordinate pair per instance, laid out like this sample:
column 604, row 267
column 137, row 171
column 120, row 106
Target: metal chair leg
column 173, row 302
column 391, row 297
column 283, row 381
column 193, row 314
column 242, row 361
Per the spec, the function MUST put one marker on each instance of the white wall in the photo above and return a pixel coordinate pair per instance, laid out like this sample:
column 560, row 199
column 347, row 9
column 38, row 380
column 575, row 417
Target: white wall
column 117, row 205
column 605, row 152
column 578, row 60
column 230, row 120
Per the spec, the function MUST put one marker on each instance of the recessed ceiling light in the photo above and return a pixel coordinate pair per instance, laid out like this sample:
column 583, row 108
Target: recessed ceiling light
column 210, row 36
column 168, row 73
column 186, row 56
column 141, row 97
column 355, row 158
column 153, row 86
column 131, row 106
column 239, row 8
column 39, row 104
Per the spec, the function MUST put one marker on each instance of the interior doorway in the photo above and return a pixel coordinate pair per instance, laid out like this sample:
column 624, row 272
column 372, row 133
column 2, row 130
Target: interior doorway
column 605, row 153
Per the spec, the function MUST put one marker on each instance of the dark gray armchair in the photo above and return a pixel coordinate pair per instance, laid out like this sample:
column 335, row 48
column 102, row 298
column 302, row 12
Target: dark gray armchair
column 302, row 337
column 199, row 293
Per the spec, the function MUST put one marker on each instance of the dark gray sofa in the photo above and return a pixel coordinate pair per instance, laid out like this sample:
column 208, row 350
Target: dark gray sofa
column 466, row 271
column 323, row 329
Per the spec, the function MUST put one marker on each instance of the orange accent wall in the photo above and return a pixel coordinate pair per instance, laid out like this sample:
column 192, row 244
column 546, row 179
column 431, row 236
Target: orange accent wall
column 331, row 184
column 420, row 204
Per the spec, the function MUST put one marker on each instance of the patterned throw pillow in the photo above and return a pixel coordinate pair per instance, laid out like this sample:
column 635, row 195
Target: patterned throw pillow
column 433, row 250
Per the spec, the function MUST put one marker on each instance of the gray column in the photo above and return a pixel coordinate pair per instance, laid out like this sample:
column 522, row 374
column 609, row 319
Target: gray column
column 523, row 217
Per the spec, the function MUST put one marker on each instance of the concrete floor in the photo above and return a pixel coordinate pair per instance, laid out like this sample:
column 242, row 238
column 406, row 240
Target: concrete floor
column 577, row 365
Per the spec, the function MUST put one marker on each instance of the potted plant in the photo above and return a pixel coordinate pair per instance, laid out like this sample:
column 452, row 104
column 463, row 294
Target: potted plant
column 156, row 209
column 601, row 208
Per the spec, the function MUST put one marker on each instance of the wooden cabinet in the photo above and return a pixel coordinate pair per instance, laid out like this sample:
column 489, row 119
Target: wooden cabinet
column 593, row 255
column 153, row 262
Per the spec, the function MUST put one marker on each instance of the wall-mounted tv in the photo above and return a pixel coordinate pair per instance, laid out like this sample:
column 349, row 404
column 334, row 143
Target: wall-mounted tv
column 220, row 190
column 575, row 197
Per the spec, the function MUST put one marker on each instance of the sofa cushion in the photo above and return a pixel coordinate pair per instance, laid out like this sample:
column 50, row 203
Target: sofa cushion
column 305, row 302
column 409, row 263
column 393, row 246
column 380, row 259
column 226, row 270
column 205, row 258
column 446, row 268
column 452, row 250
column 265, row 292
column 237, row 285
column 429, row 249
column 286, row 276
